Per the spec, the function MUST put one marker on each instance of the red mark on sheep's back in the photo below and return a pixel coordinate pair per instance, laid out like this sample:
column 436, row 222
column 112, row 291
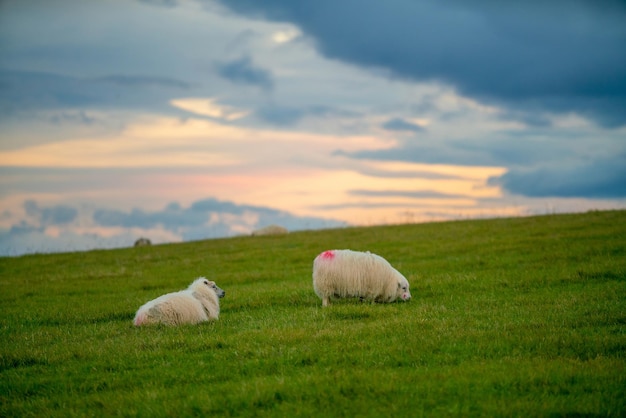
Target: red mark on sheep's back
column 328, row 255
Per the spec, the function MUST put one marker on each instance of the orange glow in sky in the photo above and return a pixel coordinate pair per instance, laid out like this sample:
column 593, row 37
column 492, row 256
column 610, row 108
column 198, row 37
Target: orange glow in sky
column 290, row 171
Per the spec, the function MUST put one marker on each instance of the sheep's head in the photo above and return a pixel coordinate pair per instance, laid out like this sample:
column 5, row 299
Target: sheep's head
column 203, row 285
column 403, row 289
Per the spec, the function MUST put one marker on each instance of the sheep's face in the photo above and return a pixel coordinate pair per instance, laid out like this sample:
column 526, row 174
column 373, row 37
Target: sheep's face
column 203, row 286
column 218, row 291
column 403, row 290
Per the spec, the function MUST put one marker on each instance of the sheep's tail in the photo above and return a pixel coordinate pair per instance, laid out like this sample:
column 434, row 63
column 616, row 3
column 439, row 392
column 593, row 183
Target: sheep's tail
column 140, row 318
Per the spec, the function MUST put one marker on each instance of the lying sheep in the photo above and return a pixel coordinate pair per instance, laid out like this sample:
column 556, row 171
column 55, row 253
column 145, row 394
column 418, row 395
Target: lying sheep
column 346, row 273
column 198, row 303
column 270, row 230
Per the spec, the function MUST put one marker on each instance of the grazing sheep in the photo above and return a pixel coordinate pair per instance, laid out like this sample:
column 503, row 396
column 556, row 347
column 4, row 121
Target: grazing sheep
column 346, row 273
column 271, row 230
column 198, row 303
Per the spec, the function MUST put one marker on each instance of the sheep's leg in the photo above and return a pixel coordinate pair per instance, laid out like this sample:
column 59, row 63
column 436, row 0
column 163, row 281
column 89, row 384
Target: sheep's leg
column 325, row 301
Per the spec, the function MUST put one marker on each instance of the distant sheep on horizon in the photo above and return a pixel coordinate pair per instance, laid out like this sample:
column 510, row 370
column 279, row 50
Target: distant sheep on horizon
column 198, row 303
column 270, row 230
column 347, row 273
column 142, row 242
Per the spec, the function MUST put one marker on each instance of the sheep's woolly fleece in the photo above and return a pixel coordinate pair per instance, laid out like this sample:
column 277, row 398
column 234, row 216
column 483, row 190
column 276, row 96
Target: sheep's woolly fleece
column 198, row 303
column 347, row 273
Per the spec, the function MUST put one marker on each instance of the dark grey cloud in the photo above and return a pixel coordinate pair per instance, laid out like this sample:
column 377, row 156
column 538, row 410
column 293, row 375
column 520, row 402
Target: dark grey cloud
column 502, row 149
column 530, row 119
column 144, row 81
column 20, row 90
column 556, row 56
column 23, row 91
column 288, row 115
column 536, row 167
column 401, row 125
column 24, row 227
column 55, row 215
column 602, row 179
column 80, row 118
column 280, row 115
column 161, row 3
column 244, row 71
column 428, row 152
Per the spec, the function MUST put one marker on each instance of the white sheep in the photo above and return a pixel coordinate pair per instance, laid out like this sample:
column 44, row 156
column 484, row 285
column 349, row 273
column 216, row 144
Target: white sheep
column 198, row 303
column 347, row 273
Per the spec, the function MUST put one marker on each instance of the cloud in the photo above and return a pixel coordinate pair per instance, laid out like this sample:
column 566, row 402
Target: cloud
column 55, row 215
column 601, row 179
column 289, row 115
column 144, row 81
column 207, row 213
column 72, row 118
column 26, row 91
column 417, row 194
column 539, row 162
column 426, row 151
column 401, row 125
column 146, row 145
column 161, row 3
column 209, row 107
column 408, row 173
column 170, row 218
column 532, row 119
column 67, row 228
column 27, row 240
column 553, row 56
column 280, row 115
column 244, row 71
column 199, row 143
column 24, row 227
column 496, row 149
column 285, row 36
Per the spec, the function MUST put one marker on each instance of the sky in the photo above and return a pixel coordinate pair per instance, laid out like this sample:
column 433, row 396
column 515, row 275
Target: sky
column 181, row 120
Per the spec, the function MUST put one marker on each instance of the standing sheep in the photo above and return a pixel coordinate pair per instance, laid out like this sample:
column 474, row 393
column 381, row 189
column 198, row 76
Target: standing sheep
column 346, row 273
column 142, row 242
column 198, row 303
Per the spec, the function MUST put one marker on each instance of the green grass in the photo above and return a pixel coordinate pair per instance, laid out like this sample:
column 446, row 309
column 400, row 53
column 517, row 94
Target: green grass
column 509, row 317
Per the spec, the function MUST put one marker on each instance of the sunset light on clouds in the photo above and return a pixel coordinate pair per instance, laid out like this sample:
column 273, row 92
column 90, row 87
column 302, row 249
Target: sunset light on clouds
column 191, row 119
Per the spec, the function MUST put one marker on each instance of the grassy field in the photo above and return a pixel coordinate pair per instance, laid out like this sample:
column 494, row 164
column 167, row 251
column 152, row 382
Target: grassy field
column 509, row 317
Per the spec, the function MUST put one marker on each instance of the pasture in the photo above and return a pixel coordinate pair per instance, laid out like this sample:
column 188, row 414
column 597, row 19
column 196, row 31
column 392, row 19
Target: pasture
column 509, row 317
